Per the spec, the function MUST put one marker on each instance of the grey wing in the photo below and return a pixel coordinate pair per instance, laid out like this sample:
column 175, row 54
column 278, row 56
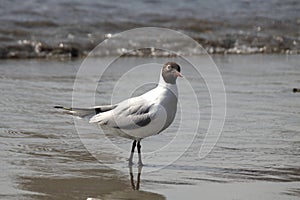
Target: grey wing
column 129, row 114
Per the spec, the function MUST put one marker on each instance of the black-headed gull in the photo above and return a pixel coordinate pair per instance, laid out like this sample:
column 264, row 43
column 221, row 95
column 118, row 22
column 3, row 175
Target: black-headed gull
column 138, row 117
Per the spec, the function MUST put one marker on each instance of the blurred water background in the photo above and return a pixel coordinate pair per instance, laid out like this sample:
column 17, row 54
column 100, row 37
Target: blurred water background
column 71, row 28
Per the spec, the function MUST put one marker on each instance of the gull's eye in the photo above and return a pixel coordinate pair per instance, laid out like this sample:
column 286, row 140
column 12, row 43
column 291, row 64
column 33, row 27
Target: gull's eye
column 169, row 67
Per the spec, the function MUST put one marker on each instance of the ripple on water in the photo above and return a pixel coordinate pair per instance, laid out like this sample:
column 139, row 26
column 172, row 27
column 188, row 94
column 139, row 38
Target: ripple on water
column 10, row 133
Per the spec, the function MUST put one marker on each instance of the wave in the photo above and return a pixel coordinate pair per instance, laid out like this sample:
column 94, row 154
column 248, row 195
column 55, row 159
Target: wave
column 72, row 28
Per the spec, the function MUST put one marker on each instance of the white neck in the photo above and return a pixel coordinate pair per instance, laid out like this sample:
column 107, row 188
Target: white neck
column 163, row 84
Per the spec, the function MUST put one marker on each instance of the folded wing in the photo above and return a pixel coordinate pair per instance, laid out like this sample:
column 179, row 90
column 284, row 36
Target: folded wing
column 129, row 114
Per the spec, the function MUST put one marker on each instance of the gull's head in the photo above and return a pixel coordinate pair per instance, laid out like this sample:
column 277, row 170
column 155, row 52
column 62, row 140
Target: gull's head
column 170, row 72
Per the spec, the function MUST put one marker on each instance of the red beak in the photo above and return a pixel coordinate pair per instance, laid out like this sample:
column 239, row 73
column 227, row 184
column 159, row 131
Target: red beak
column 178, row 74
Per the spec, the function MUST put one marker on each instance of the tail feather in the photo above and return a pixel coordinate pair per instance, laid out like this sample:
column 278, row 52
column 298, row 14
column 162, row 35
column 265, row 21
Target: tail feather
column 86, row 112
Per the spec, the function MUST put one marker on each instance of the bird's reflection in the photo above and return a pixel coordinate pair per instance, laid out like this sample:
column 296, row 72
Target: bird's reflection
column 131, row 174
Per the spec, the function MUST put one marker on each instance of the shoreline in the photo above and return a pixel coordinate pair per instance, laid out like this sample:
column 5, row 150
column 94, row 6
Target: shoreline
column 69, row 54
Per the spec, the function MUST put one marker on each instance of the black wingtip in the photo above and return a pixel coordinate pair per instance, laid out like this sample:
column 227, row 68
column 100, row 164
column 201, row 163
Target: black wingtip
column 59, row 107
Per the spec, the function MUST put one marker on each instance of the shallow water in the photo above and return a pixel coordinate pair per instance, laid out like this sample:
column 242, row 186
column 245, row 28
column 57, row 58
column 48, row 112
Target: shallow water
column 72, row 27
column 42, row 156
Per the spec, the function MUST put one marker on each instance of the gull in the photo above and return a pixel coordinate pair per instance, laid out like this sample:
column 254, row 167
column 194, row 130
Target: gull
column 138, row 117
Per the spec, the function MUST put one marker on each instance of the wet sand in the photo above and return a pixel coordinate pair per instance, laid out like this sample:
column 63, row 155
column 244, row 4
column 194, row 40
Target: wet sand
column 257, row 156
column 243, row 190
